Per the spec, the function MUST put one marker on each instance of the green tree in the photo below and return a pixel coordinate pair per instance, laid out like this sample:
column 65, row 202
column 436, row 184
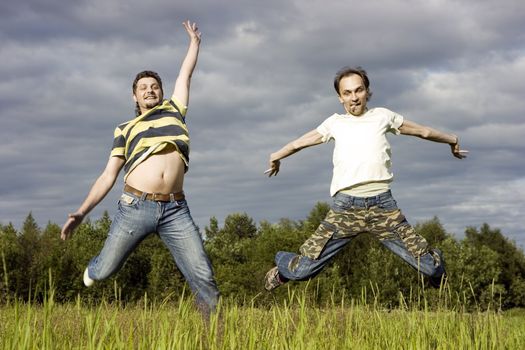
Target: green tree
column 86, row 243
column 164, row 280
column 482, row 269
column 29, row 240
column 285, row 235
column 213, row 229
column 510, row 259
column 230, row 249
column 433, row 231
column 473, row 274
column 316, row 215
column 239, row 225
column 53, row 258
column 10, row 255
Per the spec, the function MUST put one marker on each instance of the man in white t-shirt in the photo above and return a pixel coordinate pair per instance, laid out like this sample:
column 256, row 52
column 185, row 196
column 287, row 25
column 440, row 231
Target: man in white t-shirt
column 362, row 201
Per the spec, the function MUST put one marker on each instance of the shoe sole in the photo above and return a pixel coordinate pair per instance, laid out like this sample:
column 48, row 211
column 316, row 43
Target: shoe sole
column 88, row 282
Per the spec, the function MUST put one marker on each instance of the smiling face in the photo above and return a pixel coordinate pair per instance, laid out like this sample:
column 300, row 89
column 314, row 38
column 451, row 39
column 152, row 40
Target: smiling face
column 148, row 93
column 353, row 94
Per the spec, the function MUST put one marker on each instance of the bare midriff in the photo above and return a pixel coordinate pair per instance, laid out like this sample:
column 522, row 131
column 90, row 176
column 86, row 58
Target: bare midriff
column 162, row 172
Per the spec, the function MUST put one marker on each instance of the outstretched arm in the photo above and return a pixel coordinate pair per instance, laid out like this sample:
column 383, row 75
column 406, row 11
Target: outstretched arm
column 410, row 128
column 100, row 189
column 181, row 91
column 311, row 138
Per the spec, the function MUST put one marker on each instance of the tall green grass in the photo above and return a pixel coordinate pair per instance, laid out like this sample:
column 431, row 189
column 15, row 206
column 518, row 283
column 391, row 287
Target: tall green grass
column 294, row 324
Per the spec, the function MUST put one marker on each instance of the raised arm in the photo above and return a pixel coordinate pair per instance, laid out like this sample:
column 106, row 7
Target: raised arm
column 311, row 138
column 410, row 128
column 181, row 91
column 98, row 191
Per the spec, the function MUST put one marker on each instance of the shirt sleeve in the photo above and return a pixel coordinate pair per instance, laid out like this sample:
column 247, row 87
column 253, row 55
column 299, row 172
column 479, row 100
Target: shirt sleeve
column 119, row 144
column 396, row 120
column 325, row 129
column 179, row 106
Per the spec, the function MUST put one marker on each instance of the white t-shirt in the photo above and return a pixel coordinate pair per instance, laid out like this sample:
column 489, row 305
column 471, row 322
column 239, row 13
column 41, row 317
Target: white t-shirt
column 362, row 152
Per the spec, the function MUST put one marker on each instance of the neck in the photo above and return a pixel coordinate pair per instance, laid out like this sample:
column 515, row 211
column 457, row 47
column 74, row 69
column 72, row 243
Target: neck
column 144, row 110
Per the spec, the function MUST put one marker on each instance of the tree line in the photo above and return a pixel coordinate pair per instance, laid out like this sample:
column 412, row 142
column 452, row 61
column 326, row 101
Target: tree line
column 485, row 269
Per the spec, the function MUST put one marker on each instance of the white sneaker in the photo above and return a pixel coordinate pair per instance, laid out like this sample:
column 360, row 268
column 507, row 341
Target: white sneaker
column 88, row 282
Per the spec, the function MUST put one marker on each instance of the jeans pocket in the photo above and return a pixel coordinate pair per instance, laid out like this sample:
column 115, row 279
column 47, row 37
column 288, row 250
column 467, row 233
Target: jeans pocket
column 341, row 205
column 127, row 201
column 388, row 204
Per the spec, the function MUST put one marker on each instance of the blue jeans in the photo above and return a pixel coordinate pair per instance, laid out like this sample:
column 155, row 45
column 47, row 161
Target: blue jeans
column 136, row 218
column 299, row 267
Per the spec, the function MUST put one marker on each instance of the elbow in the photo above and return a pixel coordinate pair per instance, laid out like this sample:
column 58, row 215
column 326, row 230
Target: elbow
column 425, row 133
column 107, row 178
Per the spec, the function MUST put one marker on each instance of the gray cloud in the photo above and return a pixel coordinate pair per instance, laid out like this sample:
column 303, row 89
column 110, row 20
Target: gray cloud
column 264, row 77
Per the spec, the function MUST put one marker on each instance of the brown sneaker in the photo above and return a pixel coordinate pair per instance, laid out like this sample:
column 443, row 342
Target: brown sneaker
column 272, row 280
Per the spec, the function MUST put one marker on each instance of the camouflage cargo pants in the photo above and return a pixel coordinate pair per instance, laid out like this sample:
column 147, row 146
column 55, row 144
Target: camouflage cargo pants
column 349, row 217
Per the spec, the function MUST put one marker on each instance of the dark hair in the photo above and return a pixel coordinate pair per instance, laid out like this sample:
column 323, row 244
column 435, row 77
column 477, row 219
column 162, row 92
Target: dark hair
column 347, row 71
column 145, row 74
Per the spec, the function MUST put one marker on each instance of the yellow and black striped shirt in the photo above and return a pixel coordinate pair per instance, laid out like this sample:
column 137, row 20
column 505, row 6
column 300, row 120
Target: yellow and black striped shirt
column 150, row 133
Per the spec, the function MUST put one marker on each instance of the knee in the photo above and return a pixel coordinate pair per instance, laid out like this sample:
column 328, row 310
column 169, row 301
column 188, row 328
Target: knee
column 100, row 270
column 284, row 260
column 293, row 266
column 99, row 274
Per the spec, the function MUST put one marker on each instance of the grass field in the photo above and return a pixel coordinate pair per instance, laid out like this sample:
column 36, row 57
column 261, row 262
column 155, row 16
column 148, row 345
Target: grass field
column 292, row 325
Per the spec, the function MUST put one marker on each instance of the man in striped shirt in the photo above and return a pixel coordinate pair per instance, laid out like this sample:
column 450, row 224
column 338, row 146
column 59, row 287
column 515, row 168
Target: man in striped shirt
column 153, row 149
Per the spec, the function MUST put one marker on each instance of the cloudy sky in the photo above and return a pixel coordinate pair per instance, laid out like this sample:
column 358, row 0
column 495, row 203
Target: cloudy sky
column 264, row 77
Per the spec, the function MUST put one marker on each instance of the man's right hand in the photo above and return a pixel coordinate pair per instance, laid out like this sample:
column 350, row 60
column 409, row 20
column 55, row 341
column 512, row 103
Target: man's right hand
column 98, row 191
column 274, row 168
column 71, row 224
column 309, row 139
